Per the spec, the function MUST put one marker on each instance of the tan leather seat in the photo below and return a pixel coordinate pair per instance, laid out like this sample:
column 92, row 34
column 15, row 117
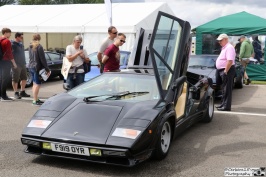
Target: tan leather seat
column 180, row 105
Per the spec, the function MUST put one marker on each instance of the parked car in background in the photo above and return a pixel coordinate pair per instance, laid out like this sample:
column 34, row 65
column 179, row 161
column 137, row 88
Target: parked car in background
column 205, row 65
column 54, row 61
column 95, row 71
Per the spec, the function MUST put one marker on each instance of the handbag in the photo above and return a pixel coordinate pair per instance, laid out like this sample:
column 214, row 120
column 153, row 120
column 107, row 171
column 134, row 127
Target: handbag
column 87, row 67
column 65, row 67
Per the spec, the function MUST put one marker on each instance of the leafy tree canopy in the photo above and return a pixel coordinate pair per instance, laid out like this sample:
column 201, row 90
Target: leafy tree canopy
column 6, row 2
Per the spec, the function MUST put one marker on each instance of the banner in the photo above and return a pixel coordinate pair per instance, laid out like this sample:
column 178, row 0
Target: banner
column 108, row 4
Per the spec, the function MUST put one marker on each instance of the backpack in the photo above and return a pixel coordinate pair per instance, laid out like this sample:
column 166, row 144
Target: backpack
column 1, row 51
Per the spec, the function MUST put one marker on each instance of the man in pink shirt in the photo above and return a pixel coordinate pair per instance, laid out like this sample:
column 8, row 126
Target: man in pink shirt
column 226, row 71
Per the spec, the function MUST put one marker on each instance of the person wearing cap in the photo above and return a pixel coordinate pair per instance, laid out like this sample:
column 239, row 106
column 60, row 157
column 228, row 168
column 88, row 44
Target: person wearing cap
column 225, row 65
column 246, row 51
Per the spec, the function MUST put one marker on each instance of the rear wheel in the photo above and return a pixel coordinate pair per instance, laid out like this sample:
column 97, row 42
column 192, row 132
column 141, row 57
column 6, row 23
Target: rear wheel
column 210, row 110
column 239, row 82
column 164, row 141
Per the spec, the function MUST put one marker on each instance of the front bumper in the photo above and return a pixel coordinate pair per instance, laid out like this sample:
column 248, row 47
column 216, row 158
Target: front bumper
column 110, row 155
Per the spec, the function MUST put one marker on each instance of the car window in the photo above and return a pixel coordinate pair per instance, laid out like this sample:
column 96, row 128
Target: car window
column 123, row 57
column 107, row 84
column 47, row 57
column 198, row 60
column 54, row 56
column 93, row 58
column 166, row 44
column 27, row 57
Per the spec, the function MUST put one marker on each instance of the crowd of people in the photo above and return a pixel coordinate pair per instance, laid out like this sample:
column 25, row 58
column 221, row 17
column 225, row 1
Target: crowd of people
column 13, row 59
column 108, row 56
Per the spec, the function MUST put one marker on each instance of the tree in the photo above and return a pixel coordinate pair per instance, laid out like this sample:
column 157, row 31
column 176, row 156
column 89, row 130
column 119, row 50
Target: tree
column 42, row 2
column 6, row 2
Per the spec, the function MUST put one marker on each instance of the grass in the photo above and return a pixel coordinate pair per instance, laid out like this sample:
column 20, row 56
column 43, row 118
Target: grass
column 259, row 82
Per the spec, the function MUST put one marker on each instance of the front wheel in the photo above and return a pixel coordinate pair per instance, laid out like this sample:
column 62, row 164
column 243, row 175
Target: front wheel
column 210, row 110
column 164, row 141
column 61, row 77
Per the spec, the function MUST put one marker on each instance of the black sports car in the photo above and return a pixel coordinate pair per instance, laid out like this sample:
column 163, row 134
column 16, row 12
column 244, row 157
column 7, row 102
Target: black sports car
column 126, row 117
column 205, row 65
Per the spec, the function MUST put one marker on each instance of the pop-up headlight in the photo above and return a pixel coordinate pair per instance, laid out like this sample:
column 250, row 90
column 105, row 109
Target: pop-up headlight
column 39, row 123
column 126, row 133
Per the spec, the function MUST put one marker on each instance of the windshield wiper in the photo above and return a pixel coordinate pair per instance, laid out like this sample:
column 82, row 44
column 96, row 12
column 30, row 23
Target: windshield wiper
column 115, row 95
column 88, row 99
column 133, row 94
column 196, row 66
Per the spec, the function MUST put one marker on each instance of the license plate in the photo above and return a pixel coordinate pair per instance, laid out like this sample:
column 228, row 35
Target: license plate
column 71, row 149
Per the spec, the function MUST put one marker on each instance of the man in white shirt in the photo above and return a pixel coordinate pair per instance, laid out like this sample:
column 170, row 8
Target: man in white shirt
column 112, row 31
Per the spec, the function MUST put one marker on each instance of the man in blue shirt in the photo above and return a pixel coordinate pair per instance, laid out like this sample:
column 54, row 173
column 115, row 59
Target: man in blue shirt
column 19, row 73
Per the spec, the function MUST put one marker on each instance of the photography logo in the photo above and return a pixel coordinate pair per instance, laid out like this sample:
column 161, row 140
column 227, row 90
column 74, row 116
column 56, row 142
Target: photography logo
column 244, row 171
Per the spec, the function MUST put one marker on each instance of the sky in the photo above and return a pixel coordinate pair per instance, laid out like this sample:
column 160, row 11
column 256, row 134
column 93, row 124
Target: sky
column 199, row 12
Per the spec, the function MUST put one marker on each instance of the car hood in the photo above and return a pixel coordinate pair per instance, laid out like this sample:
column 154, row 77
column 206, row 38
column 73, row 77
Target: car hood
column 85, row 122
column 93, row 122
column 210, row 72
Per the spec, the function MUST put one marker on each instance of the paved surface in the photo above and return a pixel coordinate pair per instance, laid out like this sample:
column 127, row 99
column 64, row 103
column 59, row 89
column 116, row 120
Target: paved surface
column 232, row 139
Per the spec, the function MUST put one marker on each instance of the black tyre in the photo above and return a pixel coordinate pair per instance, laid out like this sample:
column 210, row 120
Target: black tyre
column 239, row 82
column 209, row 110
column 164, row 141
column 29, row 81
column 61, row 77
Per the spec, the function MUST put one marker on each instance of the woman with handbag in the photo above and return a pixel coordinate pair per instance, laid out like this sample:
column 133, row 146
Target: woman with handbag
column 36, row 63
column 76, row 55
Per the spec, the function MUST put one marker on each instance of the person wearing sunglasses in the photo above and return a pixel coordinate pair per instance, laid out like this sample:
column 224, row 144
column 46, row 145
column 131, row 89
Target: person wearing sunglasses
column 111, row 58
column 112, row 31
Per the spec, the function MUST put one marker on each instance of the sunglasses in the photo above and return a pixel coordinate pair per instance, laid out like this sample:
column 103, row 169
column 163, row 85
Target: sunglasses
column 114, row 33
column 122, row 41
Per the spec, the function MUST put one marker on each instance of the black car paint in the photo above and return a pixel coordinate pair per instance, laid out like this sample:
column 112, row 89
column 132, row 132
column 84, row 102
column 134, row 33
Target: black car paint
column 147, row 116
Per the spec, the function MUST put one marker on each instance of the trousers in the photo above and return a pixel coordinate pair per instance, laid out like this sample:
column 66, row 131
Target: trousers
column 227, row 86
column 5, row 76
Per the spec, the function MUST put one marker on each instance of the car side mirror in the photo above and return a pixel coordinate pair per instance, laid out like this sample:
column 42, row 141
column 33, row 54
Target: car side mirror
column 195, row 92
column 175, row 89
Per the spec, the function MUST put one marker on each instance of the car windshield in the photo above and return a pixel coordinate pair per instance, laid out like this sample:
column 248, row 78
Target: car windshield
column 202, row 60
column 129, row 87
column 27, row 57
column 94, row 59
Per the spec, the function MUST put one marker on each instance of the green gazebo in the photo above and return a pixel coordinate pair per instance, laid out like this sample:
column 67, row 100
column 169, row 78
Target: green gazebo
column 241, row 23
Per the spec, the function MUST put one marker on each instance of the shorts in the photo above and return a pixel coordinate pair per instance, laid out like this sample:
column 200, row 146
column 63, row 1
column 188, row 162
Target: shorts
column 20, row 73
column 35, row 76
column 244, row 62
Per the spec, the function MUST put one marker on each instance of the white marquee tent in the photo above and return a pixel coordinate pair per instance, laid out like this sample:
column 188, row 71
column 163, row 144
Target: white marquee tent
column 89, row 20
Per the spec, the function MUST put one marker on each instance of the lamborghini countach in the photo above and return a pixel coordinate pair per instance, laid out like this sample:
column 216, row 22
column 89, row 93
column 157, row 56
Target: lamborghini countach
column 124, row 118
